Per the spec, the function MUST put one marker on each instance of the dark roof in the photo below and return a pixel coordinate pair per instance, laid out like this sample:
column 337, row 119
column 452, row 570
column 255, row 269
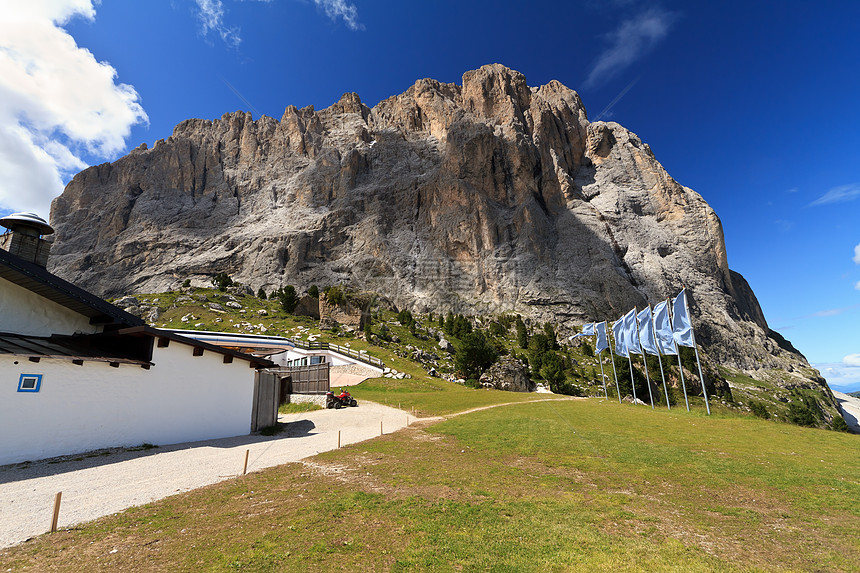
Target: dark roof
column 125, row 346
column 63, row 347
column 39, row 281
column 158, row 333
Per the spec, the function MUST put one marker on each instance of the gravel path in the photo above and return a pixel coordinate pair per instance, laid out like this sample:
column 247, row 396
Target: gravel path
column 102, row 483
column 850, row 410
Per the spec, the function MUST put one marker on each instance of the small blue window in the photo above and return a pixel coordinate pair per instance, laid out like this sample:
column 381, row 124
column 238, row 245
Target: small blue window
column 29, row 382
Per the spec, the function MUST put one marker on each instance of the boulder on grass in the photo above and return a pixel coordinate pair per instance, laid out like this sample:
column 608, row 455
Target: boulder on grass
column 507, row 374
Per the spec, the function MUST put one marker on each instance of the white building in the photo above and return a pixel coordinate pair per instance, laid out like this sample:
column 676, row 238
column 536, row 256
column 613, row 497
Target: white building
column 78, row 374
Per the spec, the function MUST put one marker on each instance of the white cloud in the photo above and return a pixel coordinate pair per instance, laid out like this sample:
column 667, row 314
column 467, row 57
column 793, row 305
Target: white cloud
column 832, row 311
column 842, row 376
column 856, row 258
column 57, row 102
column 629, row 43
column 335, row 9
column 211, row 16
column 839, row 194
column 857, row 286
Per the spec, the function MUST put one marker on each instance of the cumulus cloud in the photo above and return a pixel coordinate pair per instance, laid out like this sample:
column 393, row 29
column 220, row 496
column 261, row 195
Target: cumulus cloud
column 840, row 194
column 857, row 286
column 211, row 16
column 57, row 103
column 842, row 376
column 856, row 258
column 335, row 9
column 633, row 39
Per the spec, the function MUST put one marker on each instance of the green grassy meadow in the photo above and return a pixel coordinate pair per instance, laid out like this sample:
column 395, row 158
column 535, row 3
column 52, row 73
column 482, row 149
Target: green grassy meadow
column 566, row 485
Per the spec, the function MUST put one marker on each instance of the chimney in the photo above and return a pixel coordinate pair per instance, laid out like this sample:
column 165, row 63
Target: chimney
column 24, row 237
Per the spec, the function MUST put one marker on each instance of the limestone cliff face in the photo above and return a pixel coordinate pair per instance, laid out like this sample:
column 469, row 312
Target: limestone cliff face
column 490, row 196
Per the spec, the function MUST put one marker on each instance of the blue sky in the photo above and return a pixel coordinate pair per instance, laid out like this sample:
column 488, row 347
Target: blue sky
column 752, row 104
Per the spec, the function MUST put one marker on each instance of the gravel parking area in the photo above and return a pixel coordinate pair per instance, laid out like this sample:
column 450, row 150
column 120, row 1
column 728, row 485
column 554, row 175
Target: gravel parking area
column 102, row 483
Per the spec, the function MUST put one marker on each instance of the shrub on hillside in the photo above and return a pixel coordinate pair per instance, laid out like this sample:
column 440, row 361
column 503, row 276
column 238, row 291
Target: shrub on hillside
column 475, row 355
column 758, row 409
column 222, row 281
column 839, row 424
column 522, row 334
column 288, row 298
column 800, row 414
column 335, row 295
column 405, row 318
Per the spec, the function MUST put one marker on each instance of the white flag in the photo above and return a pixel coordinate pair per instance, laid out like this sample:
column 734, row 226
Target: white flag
column 602, row 339
column 682, row 330
column 618, row 332
column 631, row 337
column 663, row 326
column 646, row 332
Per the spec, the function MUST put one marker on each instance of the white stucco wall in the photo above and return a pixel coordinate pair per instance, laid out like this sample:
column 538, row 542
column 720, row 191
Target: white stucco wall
column 333, row 358
column 80, row 408
column 24, row 312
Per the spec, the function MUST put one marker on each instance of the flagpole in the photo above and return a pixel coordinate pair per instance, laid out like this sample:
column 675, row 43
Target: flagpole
column 681, row 370
column 602, row 377
column 698, row 363
column 680, row 366
column 659, row 359
column 614, row 373
column 632, row 382
column 644, row 361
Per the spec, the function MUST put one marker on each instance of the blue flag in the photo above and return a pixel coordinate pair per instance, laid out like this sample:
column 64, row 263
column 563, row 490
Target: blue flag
column 646, row 332
column 631, row 337
column 587, row 330
column 602, row 339
column 663, row 326
column 618, row 332
column 682, row 330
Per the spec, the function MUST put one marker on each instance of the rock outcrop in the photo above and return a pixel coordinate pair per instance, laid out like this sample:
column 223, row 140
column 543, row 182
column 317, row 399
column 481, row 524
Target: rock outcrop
column 486, row 197
column 507, row 374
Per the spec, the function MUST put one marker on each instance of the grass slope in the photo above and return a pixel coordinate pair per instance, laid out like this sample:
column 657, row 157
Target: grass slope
column 552, row 486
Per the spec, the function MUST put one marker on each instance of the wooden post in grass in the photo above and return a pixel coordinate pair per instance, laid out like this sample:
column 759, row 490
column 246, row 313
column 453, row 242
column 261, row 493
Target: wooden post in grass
column 56, row 516
column 338, row 439
column 380, row 427
column 245, row 469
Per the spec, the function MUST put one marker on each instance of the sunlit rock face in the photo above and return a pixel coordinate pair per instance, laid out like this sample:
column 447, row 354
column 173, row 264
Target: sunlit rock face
column 484, row 197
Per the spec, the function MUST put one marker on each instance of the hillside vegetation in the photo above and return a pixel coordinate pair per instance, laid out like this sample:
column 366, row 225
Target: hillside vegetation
column 410, row 344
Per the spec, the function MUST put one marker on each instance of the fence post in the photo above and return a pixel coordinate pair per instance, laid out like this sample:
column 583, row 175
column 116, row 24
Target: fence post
column 56, row 515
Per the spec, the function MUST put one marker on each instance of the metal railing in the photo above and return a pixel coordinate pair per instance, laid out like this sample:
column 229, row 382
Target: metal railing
column 352, row 353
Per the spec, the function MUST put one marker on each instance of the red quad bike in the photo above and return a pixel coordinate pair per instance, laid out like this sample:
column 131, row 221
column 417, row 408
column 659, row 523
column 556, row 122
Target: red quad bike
column 339, row 401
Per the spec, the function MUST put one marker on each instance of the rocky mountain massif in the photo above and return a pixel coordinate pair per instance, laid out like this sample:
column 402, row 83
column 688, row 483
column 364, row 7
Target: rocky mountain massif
column 487, row 197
